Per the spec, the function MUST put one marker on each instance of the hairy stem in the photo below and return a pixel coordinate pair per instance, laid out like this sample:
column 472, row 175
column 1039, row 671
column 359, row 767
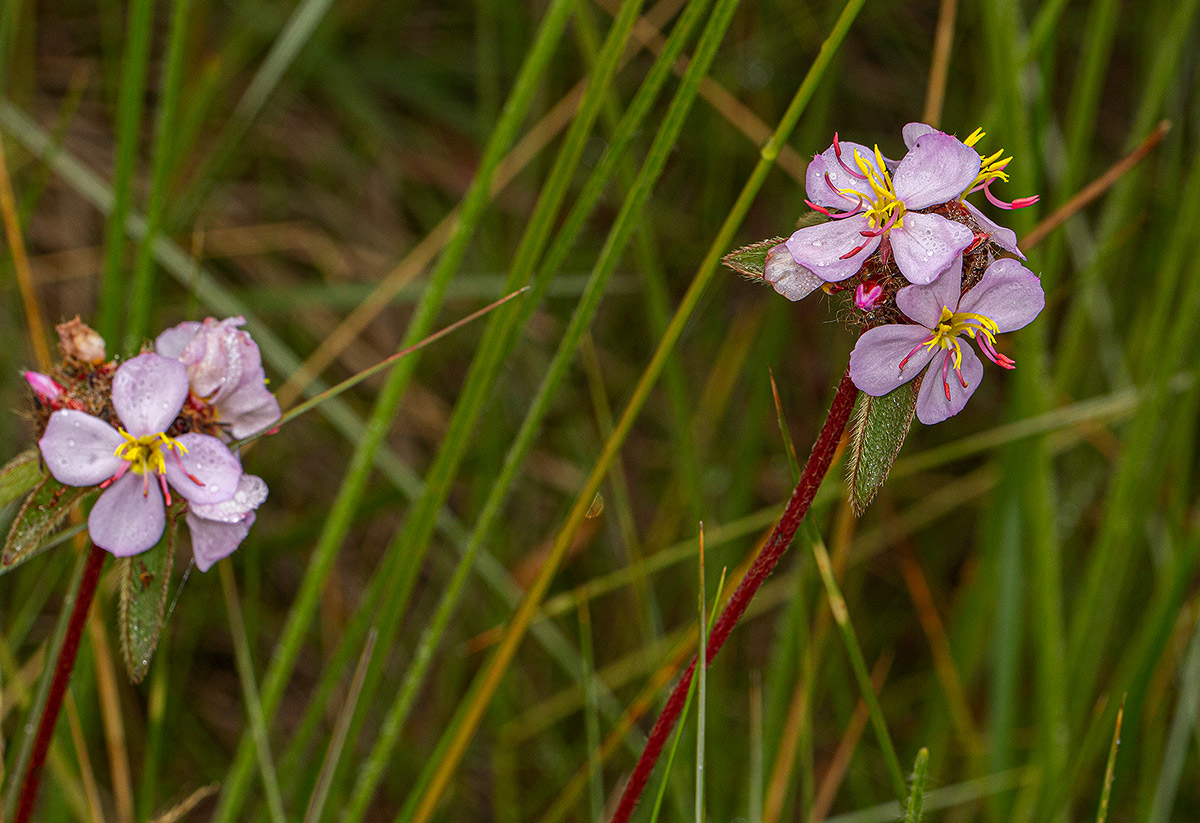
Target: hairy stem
column 810, row 479
column 58, row 687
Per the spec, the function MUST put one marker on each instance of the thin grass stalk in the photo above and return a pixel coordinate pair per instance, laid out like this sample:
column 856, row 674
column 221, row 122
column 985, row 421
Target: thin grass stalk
column 814, row 471
column 841, row 617
column 79, row 602
column 346, row 504
column 1110, row 767
column 1183, row 725
column 141, row 297
column 254, row 709
column 129, row 120
column 337, row 742
column 591, row 716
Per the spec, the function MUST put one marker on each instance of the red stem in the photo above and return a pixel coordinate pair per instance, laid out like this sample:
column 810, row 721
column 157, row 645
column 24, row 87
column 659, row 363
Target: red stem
column 58, row 686
column 810, row 479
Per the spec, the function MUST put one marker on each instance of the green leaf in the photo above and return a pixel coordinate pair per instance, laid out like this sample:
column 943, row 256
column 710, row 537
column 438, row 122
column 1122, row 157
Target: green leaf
column 876, row 435
column 915, row 810
column 751, row 260
column 19, row 476
column 145, row 579
column 41, row 513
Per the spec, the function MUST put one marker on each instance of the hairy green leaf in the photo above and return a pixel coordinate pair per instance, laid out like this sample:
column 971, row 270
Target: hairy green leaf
column 19, row 476
column 751, row 260
column 145, row 580
column 41, row 513
column 876, row 434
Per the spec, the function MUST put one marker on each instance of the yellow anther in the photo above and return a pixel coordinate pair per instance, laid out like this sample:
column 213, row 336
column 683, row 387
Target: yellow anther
column 146, row 452
column 975, row 137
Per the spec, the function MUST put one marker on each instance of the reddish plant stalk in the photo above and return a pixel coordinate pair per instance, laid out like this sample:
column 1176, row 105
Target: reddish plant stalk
column 810, row 479
column 58, row 686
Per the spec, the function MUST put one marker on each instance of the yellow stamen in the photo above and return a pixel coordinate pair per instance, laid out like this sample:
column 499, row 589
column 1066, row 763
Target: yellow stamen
column 146, row 452
column 975, row 137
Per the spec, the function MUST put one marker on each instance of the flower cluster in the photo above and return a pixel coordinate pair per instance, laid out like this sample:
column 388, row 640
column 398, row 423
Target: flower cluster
column 925, row 268
column 162, row 421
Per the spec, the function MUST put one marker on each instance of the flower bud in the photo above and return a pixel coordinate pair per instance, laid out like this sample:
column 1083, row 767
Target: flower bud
column 79, row 342
column 867, row 295
column 46, row 388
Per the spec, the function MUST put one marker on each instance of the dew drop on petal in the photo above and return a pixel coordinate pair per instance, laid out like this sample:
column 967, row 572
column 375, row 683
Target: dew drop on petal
column 817, row 243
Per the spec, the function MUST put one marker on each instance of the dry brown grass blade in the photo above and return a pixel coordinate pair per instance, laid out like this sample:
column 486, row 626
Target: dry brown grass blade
column 194, row 799
column 1097, row 187
column 16, row 244
column 939, row 66
column 836, row 772
column 110, row 713
column 86, row 773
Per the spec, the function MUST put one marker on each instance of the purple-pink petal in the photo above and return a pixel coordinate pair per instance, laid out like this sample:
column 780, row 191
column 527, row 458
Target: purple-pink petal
column 875, row 361
column 250, row 410
column 924, row 304
column 787, row 276
column 820, row 248
column 79, row 449
column 148, row 392
column 914, row 131
column 927, row 244
column 937, row 169
column 128, row 518
column 251, row 493
column 174, row 340
column 1008, row 293
column 210, row 462
column 1002, row 237
column 213, row 540
column 826, row 162
column 932, row 405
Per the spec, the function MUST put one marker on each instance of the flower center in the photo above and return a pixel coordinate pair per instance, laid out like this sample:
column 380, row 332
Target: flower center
column 145, row 453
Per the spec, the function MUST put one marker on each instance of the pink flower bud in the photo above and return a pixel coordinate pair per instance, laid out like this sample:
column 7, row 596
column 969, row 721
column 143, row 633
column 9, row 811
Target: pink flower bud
column 46, row 388
column 867, row 295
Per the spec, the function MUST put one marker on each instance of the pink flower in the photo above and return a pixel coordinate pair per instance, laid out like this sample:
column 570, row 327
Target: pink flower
column 876, row 206
column 81, row 450
column 224, row 370
column 1007, row 297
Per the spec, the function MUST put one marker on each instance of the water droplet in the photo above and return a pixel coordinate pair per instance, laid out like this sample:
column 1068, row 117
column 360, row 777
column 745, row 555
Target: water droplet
column 70, row 442
column 817, row 243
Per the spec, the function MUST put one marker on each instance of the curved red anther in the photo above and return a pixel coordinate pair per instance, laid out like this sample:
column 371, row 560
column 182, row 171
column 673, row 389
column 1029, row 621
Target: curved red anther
column 945, row 376
column 856, row 250
column 1019, row 203
column 837, row 152
column 815, row 207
